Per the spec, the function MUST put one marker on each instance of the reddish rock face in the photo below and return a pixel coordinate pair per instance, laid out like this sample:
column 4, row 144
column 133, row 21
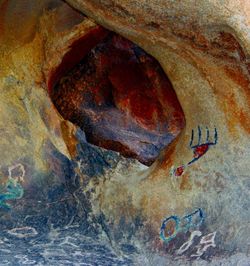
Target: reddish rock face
column 121, row 98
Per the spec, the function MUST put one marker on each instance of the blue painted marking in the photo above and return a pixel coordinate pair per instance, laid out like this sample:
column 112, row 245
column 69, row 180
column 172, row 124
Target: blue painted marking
column 199, row 135
column 188, row 219
column 215, row 135
column 207, row 139
column 164, row 225
column 194, row 160
column 200, row 138
column 192, row 138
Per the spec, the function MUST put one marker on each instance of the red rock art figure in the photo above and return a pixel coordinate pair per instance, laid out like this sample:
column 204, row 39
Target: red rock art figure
column 199, row 149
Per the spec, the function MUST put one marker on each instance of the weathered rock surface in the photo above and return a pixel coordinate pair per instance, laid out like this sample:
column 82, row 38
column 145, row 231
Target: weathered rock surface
column 197, row 192
column 121, row 98
column 204, row 49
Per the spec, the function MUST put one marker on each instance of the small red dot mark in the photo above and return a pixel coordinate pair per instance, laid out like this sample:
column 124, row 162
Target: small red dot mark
column 179, row 170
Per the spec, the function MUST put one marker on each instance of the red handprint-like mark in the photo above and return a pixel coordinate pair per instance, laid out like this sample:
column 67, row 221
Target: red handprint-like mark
column 199, row 149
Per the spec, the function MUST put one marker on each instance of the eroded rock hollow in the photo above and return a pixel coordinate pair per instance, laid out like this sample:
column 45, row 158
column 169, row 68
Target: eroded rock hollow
column 120, row 97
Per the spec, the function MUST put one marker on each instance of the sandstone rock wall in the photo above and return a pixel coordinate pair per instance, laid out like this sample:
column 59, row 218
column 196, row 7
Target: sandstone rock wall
column 54, row 175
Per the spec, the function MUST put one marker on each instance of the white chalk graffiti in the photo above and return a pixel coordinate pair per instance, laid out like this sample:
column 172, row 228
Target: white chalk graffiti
column 23, row 232
column 205, row 242
column 20, row 172
column 189, row 243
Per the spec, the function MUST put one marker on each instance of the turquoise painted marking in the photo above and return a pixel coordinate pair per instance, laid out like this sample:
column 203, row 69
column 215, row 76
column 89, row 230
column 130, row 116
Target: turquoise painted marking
column 13, row 190
column 192, row 220
column 164, row 225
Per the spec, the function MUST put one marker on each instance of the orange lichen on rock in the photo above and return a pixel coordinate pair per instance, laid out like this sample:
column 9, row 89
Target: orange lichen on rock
column 68, row 134
column 185, row 183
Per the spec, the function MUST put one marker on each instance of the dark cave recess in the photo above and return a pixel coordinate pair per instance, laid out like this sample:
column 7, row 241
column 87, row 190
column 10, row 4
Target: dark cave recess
column 118, row 94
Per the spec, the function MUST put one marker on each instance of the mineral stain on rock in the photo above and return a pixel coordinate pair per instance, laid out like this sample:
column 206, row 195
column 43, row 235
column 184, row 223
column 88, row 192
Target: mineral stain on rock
column 119, row 96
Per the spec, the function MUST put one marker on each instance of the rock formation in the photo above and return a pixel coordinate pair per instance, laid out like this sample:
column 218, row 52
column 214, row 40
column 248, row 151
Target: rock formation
column 192, row 202
column 121, row 98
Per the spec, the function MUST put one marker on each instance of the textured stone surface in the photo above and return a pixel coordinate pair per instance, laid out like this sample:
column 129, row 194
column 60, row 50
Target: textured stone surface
column 204, row 48
column 197, row 192
column 120, row 97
